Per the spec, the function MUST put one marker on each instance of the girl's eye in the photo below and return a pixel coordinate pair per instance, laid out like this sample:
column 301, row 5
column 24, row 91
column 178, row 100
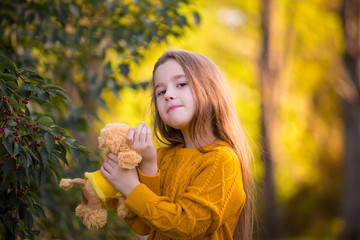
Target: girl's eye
column 161, row 92
column 182, row 84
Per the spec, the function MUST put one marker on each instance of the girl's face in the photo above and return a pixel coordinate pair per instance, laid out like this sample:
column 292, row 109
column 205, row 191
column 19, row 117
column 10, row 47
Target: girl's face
column 174, row 98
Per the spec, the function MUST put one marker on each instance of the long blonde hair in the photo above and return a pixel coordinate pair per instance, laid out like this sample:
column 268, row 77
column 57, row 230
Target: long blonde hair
column 213, row 101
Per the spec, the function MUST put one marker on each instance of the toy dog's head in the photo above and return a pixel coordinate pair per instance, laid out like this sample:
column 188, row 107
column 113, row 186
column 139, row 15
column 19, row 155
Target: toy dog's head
column 112, row 139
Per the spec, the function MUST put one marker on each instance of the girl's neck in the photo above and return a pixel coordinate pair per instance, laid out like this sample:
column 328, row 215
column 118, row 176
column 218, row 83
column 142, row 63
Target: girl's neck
column 206, row 138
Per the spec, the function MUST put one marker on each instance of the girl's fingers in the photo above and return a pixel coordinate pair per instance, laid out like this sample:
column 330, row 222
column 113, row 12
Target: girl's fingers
column 148, row 134
column 138, row 131
column 113, row 157
column 130, row 137
column 104, row 172
column 111, row 162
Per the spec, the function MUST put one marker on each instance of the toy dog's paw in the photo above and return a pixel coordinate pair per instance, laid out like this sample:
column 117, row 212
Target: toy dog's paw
column 80, row 211
column 95, row 218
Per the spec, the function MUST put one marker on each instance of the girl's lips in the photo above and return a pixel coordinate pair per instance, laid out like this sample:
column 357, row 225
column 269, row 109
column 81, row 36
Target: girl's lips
column 173, row 108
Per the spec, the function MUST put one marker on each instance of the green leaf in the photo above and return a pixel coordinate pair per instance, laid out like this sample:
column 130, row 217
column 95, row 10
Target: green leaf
column 12, row 85
column 59, row 129
column 44, row 156
column 27, row 159
column 4, row 87
column 29, row 220
column 13, row 102
column 45, row 120
column 62, row 157
column 49, row 142
column 43, row 175
column 16, row 148
column 55, row 168
column 9, row 167
column 75, row 153
column 70, row 142
column 8, row 77
column 21, row 174
column 7, row 132
column 31, row 153
column 32, row 74
column 84, row 151
column 39, row 210
column 8, row 64
column 43, row 95
column 62, row 95
column 28, row 87
column 35, row 197
column 7, row 145
column 53, row 87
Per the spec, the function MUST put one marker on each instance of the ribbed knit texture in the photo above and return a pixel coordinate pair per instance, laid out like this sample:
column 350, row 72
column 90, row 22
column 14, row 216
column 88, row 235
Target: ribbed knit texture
column 194, row 195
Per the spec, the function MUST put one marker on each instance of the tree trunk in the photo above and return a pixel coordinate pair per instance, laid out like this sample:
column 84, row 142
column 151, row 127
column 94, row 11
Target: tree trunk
column 351, row 110
column 269, row 68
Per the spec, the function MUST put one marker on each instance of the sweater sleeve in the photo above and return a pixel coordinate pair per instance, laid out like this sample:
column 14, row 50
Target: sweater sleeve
column 153, row 183
column 215, row 193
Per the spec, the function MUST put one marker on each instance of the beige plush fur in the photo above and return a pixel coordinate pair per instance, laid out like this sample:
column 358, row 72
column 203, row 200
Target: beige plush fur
column 112, row 139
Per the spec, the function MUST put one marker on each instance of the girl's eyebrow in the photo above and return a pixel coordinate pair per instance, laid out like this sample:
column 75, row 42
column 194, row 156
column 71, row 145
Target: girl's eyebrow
column 174, row 78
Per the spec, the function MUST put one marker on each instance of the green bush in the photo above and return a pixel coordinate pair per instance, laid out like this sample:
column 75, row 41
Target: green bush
column 33, row 146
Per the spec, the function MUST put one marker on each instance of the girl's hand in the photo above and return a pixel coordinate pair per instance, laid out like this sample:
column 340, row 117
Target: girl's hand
column 140, row 140
column 123, row 180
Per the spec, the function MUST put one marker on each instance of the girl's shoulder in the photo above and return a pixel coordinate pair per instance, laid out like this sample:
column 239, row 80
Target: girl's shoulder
column 222, row 150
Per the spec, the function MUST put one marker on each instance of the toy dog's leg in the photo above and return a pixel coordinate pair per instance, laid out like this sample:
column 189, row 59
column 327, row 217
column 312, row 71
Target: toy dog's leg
column 93, row 215
column 82, row 208
column 66, row 184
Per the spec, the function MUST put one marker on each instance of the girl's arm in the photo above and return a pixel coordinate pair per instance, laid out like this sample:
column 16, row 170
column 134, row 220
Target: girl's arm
column 153, row 183
column 215, row 195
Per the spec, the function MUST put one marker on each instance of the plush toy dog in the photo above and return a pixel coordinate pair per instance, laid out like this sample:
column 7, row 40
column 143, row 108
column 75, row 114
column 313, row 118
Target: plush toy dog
column 95, row 188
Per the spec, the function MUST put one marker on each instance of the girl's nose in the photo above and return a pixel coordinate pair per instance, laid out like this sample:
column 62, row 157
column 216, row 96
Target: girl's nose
column 169, row 95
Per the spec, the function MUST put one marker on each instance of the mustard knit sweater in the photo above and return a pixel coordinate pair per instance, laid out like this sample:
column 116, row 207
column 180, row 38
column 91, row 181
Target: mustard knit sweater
column 194, row 195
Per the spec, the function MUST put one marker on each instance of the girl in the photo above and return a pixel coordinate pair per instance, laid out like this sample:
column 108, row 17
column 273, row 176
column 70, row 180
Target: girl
column 200, row 185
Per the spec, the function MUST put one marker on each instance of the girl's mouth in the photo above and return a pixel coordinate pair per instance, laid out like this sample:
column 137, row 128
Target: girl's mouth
column 173, row 108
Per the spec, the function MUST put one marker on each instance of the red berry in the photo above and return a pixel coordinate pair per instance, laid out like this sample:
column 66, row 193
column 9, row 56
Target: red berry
column 42, row 142
column 15, row 220
column 16, row 133
column 5, row 98
column 21, row 115
column 25, row 205
column 1, row 109
column 20, row 194
column 27, row 99
column 27, row 188
column 17, row 139
column 36, row 128
column 8, row 155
